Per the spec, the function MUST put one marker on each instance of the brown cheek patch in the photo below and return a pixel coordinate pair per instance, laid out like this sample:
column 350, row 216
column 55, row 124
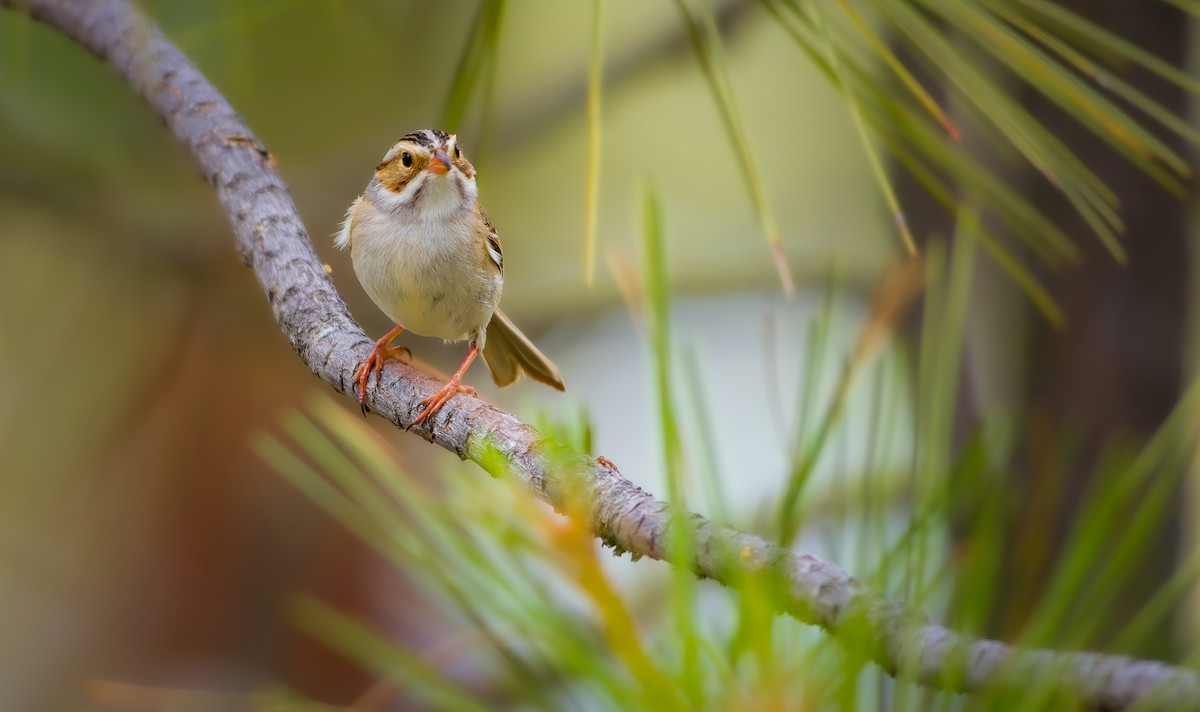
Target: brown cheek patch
column 395, row 175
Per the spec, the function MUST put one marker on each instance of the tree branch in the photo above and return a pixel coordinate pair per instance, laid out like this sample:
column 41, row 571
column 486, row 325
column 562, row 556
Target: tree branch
column 315, row 320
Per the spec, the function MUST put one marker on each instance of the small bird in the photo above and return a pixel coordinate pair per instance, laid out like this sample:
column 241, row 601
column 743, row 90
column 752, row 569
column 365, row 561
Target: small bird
column 425, row 253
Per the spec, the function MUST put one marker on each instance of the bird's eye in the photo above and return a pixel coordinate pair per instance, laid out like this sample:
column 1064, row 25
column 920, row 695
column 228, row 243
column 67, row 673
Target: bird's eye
column 457, row 153
column 406, row 159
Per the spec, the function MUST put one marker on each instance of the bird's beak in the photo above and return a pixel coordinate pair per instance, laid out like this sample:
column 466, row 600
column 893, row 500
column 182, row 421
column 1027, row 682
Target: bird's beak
column 439, row 164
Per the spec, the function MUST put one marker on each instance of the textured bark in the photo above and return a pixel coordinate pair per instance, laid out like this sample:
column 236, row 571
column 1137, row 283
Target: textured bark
column 315, row 320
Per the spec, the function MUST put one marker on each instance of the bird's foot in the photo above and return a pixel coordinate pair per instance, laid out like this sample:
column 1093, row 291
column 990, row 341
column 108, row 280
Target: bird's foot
column 374, row 363
column 435, row 402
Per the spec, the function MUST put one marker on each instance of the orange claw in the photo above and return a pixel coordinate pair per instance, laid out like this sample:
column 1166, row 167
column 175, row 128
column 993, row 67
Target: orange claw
column 375, row 360
column 435, row 402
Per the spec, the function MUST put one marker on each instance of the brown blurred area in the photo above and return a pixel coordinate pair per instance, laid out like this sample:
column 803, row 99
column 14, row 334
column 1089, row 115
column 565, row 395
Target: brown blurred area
column 144, row 540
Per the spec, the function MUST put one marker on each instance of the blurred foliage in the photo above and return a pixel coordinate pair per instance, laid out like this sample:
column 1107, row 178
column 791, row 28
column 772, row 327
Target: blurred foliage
column 1071, row 61
column 537, row 616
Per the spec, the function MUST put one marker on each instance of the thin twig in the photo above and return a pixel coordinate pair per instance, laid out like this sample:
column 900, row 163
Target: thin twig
column 315, row 320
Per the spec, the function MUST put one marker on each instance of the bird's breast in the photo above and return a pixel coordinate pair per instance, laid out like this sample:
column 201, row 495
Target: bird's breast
column 425, row 275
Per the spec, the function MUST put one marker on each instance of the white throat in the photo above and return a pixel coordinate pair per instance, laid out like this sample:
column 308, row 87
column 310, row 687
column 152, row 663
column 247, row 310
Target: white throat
column 429, row 197
column 442, row 195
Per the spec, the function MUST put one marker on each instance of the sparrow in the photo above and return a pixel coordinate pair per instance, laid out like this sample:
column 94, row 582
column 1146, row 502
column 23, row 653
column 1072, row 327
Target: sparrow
column 426, row 254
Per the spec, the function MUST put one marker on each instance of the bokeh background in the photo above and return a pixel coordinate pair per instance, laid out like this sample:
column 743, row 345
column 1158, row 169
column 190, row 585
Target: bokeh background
column 143, row 541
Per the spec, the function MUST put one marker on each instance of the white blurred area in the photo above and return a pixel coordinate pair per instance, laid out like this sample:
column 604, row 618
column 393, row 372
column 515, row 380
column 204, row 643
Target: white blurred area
column 753, row 351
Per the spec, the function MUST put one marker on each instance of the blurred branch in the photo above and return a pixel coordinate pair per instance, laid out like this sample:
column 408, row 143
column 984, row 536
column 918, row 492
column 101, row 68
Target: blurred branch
column 315, row 320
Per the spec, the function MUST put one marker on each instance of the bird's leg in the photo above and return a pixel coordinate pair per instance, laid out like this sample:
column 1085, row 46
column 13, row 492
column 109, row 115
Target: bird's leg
column 435, row 402
column 375, row 360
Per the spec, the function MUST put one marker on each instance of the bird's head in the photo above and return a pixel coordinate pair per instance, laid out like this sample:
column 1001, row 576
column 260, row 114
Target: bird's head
column 426, row 171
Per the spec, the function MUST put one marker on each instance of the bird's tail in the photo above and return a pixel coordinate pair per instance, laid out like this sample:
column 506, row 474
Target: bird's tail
column 508, row 353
